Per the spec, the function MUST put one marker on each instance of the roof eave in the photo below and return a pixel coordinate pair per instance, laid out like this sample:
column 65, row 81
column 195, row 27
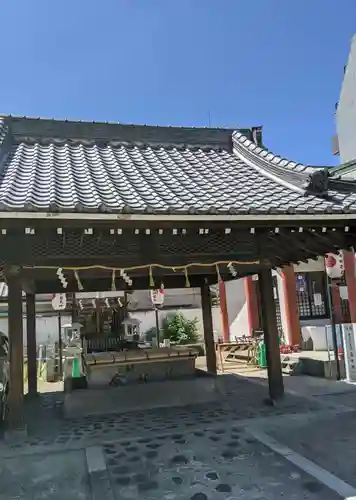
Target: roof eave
column 100, row 217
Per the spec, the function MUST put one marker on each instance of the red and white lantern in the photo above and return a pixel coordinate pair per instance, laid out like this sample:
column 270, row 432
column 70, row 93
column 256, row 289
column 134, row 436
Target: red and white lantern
column 334, row 265
column 157, row 296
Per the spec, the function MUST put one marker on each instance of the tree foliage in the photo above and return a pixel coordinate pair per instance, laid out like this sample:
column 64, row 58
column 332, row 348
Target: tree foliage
column 179, row 329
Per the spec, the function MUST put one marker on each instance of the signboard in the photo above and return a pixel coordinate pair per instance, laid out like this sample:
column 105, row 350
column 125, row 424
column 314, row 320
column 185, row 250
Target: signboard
column 59, row 301
column 300, row 283
column 157, row 297
column 318, row 299
column 349, row 341
column 334, row 264
column 344, row 292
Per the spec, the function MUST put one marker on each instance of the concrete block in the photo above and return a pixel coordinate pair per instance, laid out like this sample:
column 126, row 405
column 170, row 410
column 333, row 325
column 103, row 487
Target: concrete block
column 144, row 396
column 95, row 459
column 98, row 474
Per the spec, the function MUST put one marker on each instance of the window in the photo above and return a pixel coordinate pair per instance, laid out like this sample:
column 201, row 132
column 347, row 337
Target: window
column 277, row 302
column 278, row 306
column 311, row 295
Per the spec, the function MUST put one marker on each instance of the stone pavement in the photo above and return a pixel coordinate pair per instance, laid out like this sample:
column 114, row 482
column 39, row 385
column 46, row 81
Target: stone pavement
column 241, row 401
column 329, row 442
column 332, row 393
column 206, row 465
column 52, row 476
column 198, row 452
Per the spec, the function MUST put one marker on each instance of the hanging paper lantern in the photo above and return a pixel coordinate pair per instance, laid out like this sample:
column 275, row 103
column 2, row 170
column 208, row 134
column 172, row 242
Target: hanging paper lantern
column 334, row 265
column 59, row 301
column 157, row 297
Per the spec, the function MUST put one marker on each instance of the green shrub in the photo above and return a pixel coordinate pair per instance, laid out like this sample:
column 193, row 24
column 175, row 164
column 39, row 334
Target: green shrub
column 180, row 330
column 151, row 334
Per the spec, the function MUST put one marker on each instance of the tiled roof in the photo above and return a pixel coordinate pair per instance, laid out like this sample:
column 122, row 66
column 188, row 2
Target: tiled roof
column 50, row 166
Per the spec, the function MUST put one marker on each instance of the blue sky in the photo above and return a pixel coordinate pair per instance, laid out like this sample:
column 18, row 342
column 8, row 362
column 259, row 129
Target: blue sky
column 276, row 63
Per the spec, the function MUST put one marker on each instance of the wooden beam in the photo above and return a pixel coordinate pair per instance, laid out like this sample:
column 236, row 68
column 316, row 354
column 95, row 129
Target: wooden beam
column 269, row 323
column 31, row 344
column 313, row 243
column 290, row 247
column 15, row 401
column 210, row 352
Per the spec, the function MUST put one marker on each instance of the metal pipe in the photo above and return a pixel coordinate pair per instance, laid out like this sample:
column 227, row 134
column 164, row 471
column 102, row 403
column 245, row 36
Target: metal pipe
column 157, row 326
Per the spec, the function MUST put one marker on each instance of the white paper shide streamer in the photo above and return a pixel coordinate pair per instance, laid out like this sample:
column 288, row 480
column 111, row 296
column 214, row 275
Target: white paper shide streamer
column 62, row 278
column 232, row 269
column 125, row 277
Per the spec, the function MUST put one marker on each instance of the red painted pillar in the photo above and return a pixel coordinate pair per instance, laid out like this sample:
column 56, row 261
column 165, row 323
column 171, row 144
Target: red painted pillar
column 223, row 312
column 350, row 276
column 253, row 316
column 291, row 306
column 336, row 300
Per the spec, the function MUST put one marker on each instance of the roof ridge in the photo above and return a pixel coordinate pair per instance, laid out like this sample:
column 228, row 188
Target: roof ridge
column 269, row 164
column 4, row 128
column 5, row 138
column 303, row 179
column 270, row 157
column 100, row 122
column 44, row 128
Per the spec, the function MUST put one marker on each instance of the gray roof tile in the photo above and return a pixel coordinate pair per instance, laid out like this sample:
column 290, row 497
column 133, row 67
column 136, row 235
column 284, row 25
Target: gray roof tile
column 49, row 165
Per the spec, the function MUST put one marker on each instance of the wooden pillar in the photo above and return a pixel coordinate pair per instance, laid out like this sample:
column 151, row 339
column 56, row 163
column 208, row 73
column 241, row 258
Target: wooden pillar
column 223, row 311
column 210, row 352
column 253, row 316
column 268, row 306
column 291, row 306
column 336, row 300
column 31, row 343
column 98, row 315
column 350, row 276
column 74, row 308
column 15, row 318
column 126, row 305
